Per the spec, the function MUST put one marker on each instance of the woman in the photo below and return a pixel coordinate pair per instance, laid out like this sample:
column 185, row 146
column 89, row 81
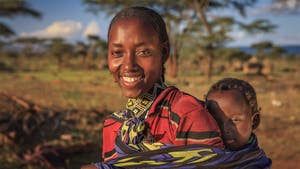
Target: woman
column 138, row 47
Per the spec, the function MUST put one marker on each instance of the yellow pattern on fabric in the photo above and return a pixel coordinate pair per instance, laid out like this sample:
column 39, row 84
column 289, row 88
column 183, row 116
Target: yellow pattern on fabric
column 151, row 146
column 131, row 131
column 127, row 162
column 181, row 155
column 187, row 155
column 140, row 105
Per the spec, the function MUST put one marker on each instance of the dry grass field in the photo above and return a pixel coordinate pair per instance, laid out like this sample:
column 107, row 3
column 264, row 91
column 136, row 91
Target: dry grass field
column 90, row 91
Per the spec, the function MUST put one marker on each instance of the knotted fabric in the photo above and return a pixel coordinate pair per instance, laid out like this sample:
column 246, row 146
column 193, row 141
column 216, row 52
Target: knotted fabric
column 134, row 129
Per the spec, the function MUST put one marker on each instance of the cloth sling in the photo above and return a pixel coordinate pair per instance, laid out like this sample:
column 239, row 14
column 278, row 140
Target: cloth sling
column 134, row 130
column 137, row 149
column 189, row 157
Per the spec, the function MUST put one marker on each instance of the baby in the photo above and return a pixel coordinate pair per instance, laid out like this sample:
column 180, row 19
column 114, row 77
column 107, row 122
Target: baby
column 233, row 104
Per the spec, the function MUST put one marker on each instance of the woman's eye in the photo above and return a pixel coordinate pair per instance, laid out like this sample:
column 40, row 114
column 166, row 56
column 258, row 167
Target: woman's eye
column 143, row 53
column 117, row 53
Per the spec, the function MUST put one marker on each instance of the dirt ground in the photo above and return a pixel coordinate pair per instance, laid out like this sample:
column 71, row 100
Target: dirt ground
column 278, row 96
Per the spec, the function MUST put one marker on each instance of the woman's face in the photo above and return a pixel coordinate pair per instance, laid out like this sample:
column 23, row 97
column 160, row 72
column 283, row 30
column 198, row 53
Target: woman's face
column 134, row 56
column 233, row 116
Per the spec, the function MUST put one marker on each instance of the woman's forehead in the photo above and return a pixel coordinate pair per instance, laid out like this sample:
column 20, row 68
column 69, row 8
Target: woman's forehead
column 132, row 28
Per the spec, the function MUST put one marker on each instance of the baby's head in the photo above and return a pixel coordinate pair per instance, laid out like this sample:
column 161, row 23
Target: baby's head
column 233, row 104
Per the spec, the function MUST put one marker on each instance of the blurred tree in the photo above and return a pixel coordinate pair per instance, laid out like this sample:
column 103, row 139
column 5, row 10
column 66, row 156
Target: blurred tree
column 11, row 8
column 231, row 54
column 28, row 43
column 2, row 44
column 201, row 7
column 59, row 48
column 258, row 26
column 188, row 22
column 81, row 50
column 102, row 52
column 262, row 48
column 97, row 48
column 267, row 49
column 277, row 51
column 172, row 11
column 92, row 49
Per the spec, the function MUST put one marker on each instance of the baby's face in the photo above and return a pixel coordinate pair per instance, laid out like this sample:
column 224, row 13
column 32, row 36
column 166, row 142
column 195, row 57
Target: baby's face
column 233, row 115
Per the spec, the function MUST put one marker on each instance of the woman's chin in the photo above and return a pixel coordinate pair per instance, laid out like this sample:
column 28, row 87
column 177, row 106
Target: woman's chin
column 133, row 93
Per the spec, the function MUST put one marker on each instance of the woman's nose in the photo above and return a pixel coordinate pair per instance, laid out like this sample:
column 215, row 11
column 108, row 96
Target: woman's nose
column 129, row 61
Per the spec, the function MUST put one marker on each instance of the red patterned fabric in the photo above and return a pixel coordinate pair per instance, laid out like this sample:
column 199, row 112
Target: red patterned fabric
column 175, row 118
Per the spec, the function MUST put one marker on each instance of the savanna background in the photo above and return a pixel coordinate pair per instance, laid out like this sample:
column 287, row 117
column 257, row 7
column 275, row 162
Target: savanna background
column 56, row 91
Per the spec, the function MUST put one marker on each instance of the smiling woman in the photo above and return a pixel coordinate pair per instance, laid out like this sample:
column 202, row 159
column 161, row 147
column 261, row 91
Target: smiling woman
column 138, row 47
column 135, row 58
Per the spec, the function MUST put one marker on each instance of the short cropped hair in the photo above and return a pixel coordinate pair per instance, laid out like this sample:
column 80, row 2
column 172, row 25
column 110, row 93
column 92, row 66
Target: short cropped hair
column 145, row 14
column 242, row 86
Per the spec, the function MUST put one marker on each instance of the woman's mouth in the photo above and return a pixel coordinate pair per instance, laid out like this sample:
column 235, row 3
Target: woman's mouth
column 130, row 79
column 130, row 82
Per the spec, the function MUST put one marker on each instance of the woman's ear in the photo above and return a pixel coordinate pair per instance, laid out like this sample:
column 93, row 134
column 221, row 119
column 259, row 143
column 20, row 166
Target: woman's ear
column 165, row 51
column 255, row 120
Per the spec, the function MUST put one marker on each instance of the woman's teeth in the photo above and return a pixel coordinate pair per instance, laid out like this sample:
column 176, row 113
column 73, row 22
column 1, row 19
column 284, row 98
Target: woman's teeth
column 130, row 79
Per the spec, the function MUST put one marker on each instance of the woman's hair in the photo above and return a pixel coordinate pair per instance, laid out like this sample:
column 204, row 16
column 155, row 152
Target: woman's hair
column 150, row 17
column 243, row 87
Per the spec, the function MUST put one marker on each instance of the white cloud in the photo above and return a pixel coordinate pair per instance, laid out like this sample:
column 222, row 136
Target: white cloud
column 289, row 39
column 91, row 29
column 242, row 38
column 283, row 7
column 61, row 29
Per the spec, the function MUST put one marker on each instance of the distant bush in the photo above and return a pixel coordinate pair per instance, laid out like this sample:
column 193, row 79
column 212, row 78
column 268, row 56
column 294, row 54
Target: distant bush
column 231, row 53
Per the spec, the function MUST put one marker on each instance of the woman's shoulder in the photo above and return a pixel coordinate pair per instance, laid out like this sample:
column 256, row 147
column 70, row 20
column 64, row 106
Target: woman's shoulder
column 179, row 96
column 183, row 102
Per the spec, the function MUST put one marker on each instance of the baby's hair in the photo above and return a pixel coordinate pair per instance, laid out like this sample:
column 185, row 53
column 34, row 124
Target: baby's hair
column 151, row 17
column 242, row 86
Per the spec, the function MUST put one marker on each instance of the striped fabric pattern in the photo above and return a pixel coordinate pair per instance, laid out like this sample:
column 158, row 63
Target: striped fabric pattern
column 190, row 157
column 172, row 118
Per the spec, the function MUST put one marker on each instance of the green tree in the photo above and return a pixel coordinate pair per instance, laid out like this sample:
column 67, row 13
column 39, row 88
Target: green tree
column 171, row 10
column 59, row 49
column 28, row 43
column 11, row 8
column 210, row 32
column 97, row 49
column 188, row 20
column 177, row 20
column 102, row 52
column 277, row 51
column 2, row 44
column 81, row 50
column 262, row 48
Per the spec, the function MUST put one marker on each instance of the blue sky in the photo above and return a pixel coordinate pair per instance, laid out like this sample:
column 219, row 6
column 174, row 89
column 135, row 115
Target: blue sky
column 69, row 19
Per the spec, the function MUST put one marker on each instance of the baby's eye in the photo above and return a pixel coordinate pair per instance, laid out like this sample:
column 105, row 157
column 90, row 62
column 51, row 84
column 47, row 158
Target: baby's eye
column 143, row 53
column 235, row 120
column 117, row 53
